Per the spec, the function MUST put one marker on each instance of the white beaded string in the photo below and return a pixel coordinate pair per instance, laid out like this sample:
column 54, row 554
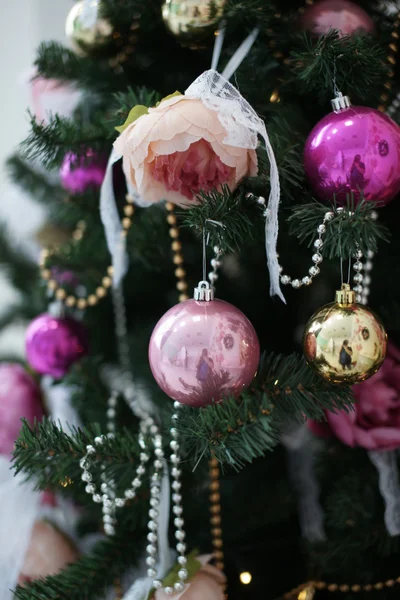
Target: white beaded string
column 108, row 497
column 317, row 257
column 215, row 265
column 177, row 509
column 362, row 282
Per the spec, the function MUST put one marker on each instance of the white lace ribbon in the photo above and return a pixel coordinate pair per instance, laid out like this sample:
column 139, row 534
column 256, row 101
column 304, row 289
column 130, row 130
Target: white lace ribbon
column 142, row 586
column 19, row 508
column 112, row 223
column 300, row 449
column 240, row 54
column 243, row 125
column 385, row 463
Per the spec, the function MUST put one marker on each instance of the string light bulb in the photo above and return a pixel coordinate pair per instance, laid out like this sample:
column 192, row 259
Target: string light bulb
column 245, row 577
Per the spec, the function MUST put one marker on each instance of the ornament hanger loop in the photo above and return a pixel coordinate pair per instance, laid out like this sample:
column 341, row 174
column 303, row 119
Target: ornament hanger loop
column 348, row 272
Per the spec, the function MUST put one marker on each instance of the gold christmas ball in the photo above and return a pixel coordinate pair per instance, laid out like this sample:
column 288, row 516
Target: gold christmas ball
column 190, row 21
column 86, row 30
column 345, row 342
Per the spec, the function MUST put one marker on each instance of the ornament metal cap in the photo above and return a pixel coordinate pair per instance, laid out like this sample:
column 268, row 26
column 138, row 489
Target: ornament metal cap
column 204, row 292
column 345, row 296
column 340, row 102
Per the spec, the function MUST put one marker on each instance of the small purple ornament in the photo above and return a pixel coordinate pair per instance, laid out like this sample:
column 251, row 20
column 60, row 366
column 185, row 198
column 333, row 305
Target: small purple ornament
column 190, row 359
column 54, row 344
column 356, row 149
column 20, row 396
column 343, row 15
column 78, row 173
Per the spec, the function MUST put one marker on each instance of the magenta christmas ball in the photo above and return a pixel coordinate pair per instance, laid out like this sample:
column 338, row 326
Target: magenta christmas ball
column 79, row 173
column 53, row 344
column 20, row 396
column 343, row 15
column 201, row 352
column 354, row 150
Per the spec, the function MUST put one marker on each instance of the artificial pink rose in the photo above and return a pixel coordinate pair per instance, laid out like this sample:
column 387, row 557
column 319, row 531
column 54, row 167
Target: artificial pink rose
column 207, row 584
column 178, row 149
column 20, row 396
column 374, row 423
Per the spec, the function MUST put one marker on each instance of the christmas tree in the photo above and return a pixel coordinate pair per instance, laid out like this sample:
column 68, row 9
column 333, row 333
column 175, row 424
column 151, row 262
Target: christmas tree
column 252, row 430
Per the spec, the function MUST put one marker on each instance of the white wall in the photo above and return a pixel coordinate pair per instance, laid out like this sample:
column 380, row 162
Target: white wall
column 23, row 25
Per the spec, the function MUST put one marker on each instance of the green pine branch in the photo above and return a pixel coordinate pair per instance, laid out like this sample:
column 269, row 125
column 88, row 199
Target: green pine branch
column 46, row 453
column 20, row 271
column 125, row 101
column 250, row 13
column 54, row 61
column 233, row 211
column 33, row 181
column 355, row 63
column 50, row 142
column 236, row 431
column 345, row 233
column 91, row 575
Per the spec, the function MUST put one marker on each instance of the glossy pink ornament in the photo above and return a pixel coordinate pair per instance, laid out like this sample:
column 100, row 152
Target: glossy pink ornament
column 20, row 396
column 78, row 173
column 356, row 149
column 203, row 351
column 343, row 15
column 54, row 344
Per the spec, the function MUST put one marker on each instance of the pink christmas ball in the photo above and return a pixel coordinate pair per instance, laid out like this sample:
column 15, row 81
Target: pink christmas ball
column 201, row 352
column 54, row 344
column 355, row 150
column 78, row 173
column 20, row 396
column 49, row 552
column 343, row 15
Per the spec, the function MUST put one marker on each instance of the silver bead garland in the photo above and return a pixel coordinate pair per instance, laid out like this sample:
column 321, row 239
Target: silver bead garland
column 362, row 282
column 317, row 258
column 177, row 510
column 215, row 265
column 107, row 494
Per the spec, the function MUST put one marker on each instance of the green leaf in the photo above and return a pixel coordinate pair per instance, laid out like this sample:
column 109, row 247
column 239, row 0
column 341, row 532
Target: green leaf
column 174, row 95
column 136, row 112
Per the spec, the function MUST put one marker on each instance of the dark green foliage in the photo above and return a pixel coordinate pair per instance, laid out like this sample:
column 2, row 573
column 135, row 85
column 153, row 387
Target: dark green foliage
column 345, row 233
column 50, row 143
column 55, row 61
column 352, row 63
column 34, row 181
column 17, row 267
column 124, row 101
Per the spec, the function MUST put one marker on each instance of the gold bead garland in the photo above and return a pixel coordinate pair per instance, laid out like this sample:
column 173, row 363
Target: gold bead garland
column 118, row 589
column 176, row 245
column 306, row 591
column 391, row 59
column 214, row 470
column 101, row 291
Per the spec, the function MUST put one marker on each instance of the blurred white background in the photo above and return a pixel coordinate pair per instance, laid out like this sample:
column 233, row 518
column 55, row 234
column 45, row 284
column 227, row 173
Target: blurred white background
column 23, row 25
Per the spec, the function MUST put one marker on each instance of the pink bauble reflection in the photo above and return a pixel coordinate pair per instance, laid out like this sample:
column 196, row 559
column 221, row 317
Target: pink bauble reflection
column 342, row 15
column 355, row 150
column 79, row 173
column 53, row 344
column 20, row 396
column 201, row 352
